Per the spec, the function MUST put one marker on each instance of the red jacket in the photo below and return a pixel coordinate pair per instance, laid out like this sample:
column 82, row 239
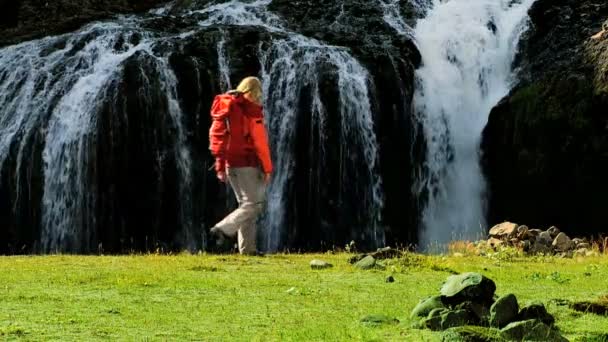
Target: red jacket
column 237, row 137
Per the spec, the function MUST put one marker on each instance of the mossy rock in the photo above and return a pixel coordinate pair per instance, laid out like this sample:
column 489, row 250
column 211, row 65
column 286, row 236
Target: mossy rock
column 472, row 334
column 468, row 286
column 366, row 263
column 504, row 311
column 535, row 311
column 456, row 318
column 427, row 305
column 531, row 330
column 479, row 311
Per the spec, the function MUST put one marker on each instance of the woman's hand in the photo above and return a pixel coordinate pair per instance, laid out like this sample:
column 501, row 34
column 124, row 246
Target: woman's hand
column 267, row 177
column 221, row 175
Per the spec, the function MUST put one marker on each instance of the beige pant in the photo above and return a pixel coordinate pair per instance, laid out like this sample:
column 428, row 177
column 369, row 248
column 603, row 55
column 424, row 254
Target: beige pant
column 250, row 190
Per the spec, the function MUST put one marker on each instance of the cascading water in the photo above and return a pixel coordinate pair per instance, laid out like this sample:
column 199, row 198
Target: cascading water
column 467, row 50
column 290, row 65
column 393, row 17
column 73, row 101
column 57, row 86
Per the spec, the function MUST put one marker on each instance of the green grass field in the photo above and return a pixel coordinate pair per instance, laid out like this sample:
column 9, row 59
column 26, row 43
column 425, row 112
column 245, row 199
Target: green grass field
column 272, row 298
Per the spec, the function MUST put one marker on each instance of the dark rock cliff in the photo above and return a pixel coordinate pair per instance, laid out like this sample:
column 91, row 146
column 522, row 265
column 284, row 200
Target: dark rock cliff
column 545, row 148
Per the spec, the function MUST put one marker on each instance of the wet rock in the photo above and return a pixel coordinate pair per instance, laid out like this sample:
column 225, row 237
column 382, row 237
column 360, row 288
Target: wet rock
column 504, row 311
column 583, row 245
column 533, row 233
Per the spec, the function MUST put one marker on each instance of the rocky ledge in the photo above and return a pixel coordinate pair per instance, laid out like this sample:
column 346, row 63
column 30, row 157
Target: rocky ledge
column 544, row 148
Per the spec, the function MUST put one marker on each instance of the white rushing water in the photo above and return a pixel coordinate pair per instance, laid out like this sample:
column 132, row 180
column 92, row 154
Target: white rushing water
column 289, row 65
column 393, row 17
column 467, row 50
column 55, row 86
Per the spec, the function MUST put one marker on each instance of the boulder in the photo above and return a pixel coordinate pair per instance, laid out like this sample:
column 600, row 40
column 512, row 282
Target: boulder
column 504, row 311
column 366, row 263
column 427, row 305
column 468, row 286
column 562, row 243
column 523, row 232
column 455, row 318
column 578, row 241
column 553, row 231
column 480, row 311
column 530, row 330
column 544, row 238
column 504, row 230
column 386, row 253
column 540, row 248
column 536, row 311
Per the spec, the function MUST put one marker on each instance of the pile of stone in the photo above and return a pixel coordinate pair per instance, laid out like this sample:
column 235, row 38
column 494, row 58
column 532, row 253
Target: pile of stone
column 537, row 241
column 469, row 300
column 372, row 260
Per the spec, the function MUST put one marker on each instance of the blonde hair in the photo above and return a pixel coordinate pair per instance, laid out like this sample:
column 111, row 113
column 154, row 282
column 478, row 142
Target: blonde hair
column 252, row 86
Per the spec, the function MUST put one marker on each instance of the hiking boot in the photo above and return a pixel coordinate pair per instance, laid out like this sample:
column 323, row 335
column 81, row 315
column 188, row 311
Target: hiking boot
column 219, row 235
column 223, row 243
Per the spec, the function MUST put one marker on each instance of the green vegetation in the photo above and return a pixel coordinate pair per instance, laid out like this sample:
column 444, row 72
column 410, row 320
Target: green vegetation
column 274, row 298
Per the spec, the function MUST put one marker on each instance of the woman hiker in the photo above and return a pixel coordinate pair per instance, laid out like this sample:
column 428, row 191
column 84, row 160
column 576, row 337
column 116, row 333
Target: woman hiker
column 239, row 142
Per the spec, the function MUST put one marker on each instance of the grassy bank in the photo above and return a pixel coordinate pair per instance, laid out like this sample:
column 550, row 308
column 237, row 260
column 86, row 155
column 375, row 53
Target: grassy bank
column 274, row 298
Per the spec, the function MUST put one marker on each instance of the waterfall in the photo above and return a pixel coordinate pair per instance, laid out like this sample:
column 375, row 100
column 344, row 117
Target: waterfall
column 290, row 65
column 67, row 103
column 55, row 87
column 392, row 16
column 467, row 50
column 224, row 64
